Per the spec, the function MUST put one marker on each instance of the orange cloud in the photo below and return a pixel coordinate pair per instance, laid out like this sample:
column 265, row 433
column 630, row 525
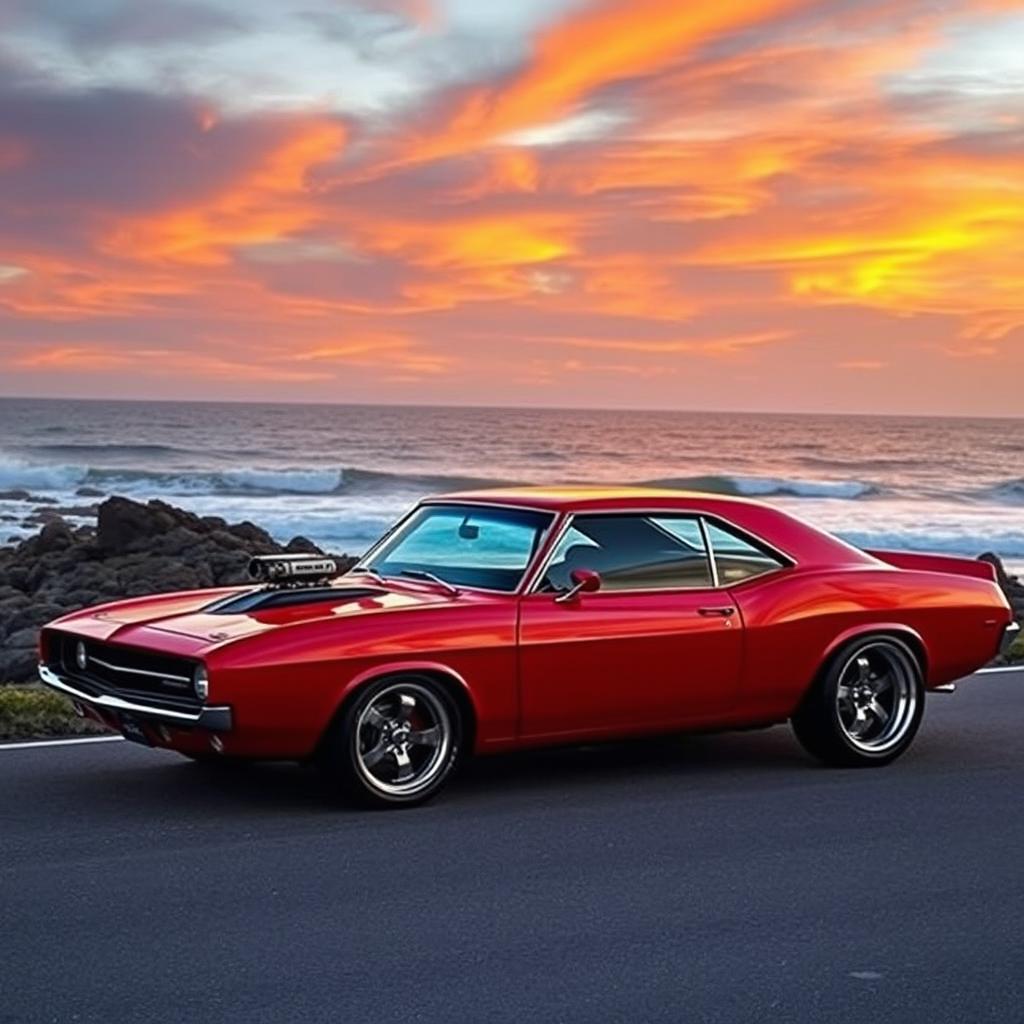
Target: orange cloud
column 726, row 345
column 773, row 177
column 270, row 202
column 475, row 241
column 151, row 362
column 397, row 353
column 601, row 45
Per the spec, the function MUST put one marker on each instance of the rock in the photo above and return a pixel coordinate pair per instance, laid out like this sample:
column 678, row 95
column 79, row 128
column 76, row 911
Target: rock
column 135, row 549
column 41, row 516
column 16, row 495
column 17, row 576
column 255, row 535
column 122, row 523
column 77, row 510
column 90, row 492
column 19, row 663
column 301, row 546
column 54, row 536
column 27, row 637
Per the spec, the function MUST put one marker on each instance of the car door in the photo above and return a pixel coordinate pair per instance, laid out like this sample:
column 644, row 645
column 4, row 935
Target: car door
column 657, row 646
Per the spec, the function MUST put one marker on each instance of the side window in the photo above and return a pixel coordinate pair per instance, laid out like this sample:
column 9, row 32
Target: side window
column 736, row 558
column 632, row 552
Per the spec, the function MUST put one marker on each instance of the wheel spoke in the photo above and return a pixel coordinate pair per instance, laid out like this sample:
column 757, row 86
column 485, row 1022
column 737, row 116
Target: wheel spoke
column 860, row 724
column 374, row 717
column 374, row 755
column 882, row 684
column 425, row 737
column 879, row 712
column 406, row 706
column 863, row 669
column 405, row 768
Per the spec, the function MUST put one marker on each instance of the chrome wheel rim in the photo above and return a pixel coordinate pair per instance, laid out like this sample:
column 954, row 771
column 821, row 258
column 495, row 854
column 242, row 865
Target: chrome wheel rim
column 877, row 697
column 403, row 739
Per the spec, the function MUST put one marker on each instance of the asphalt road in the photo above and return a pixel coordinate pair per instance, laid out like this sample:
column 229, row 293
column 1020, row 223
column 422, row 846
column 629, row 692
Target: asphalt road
column 713, row 878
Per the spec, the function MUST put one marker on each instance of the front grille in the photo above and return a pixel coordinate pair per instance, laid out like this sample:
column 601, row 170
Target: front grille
column 130, row 673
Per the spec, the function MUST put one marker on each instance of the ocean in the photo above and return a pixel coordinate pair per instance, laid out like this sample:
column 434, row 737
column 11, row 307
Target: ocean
column 339, row 474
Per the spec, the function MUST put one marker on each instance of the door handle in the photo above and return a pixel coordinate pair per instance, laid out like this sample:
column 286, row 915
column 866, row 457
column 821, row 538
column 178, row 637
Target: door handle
column 724, row 612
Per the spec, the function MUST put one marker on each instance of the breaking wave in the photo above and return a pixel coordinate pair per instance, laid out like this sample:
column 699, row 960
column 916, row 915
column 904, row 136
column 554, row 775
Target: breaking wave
column 764, row 487
column 17, row 474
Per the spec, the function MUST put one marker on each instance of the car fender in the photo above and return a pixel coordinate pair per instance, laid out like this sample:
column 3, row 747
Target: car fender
column 898, row 629
column 404, row 667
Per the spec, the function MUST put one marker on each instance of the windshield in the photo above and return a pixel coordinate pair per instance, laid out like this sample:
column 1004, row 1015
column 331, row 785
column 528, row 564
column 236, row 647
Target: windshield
column 463, row 545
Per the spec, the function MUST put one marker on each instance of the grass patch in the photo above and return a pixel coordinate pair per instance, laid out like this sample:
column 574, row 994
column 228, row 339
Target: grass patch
column 1016, row 651
column 29, row 712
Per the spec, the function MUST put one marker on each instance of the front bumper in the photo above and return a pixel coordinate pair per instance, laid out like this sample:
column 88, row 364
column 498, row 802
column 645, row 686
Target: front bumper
column 213, row 719
column 1010, row 634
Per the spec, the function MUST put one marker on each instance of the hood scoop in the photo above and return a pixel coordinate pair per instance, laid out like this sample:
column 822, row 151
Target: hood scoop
column 274, row 597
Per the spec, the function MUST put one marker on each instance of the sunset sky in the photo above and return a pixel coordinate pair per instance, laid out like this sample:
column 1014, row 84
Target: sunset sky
column 746, row 204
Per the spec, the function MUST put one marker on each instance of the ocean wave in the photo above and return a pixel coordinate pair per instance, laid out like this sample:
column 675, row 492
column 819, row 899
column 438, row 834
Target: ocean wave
column 1005, row 543
column 85, row 450
column 1009, row 491
column 16, row 474
column 368, row 480
column 868, row 465
column 245, row 480
column 765, row 487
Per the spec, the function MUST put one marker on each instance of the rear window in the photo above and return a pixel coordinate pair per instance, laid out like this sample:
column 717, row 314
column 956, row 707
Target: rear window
column 738, row 558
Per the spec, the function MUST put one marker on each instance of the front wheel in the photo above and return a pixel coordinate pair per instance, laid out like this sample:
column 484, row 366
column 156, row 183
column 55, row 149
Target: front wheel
column 866, row 708
column 395, row 744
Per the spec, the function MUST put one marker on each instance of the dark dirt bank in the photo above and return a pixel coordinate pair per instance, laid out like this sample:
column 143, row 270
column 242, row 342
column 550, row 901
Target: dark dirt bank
column 134, row 549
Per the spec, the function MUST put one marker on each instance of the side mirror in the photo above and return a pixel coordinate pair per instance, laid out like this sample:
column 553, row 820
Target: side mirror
column 584, row 581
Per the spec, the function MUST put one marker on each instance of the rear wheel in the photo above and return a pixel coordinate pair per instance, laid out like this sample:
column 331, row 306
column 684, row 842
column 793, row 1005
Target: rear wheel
column 866, row 708
column 395, row 744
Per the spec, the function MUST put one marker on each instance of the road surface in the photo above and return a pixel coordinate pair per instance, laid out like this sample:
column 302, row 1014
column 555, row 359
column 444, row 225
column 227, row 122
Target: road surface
column 708, row 879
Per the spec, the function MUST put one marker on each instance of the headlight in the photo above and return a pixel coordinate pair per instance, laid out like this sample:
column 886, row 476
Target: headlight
column 81, row 656
column 201, row 682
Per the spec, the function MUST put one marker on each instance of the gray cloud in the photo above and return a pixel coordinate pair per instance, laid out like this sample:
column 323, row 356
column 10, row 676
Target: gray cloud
column 94, row 25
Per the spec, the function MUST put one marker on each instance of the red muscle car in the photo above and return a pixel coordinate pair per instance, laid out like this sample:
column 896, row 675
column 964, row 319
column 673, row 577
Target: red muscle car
column 506, row 619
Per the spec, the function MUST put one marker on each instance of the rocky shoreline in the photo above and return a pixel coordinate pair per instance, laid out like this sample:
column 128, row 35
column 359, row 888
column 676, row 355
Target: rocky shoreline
column 133, row 549
column 137, row 548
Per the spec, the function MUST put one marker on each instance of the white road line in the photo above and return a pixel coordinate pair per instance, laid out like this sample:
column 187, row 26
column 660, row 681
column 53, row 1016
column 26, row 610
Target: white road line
column 1002, row 668
column 60, row 743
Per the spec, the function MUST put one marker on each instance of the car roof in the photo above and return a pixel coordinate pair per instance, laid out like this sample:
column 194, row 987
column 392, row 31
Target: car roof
column 797, row 540
column 578, row 498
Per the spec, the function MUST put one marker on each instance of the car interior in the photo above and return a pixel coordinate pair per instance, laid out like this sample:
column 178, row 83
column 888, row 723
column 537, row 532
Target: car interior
column 642, row 552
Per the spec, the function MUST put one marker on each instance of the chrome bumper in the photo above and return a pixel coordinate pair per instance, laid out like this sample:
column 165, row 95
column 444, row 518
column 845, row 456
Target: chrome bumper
column 1010, row 634
column 215, row 719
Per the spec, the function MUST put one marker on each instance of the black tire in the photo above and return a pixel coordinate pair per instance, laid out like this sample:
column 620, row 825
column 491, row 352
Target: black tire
column 395, row 744
column 865, row 708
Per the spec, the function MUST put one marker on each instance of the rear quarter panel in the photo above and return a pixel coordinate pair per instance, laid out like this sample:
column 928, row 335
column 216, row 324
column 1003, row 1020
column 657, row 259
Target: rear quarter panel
column 286, row 685
column 795, row 621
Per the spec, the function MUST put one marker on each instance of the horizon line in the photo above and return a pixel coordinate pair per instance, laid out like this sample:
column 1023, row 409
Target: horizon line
column 515, row 407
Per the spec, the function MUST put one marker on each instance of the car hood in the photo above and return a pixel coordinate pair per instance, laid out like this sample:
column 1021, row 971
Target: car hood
column 213, row 617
